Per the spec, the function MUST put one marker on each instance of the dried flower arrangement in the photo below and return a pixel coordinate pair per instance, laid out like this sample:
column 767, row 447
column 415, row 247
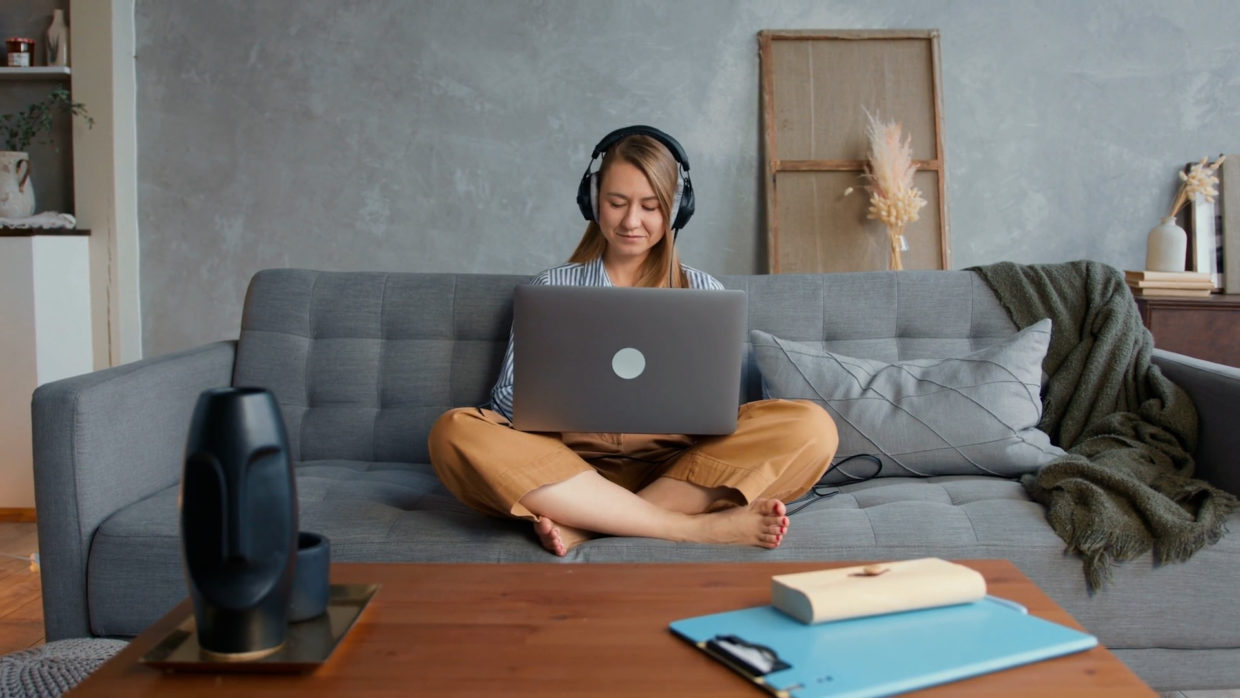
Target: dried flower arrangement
column 893, row 198
column 1200, row 180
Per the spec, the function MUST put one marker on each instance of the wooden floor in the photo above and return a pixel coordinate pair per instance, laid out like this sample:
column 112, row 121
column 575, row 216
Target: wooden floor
column 21, row 599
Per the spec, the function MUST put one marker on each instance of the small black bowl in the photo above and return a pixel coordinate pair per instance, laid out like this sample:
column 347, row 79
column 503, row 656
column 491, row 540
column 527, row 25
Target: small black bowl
column 311, row 581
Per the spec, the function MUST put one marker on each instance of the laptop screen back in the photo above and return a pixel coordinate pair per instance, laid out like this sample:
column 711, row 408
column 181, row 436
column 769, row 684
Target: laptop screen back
column 627, row 360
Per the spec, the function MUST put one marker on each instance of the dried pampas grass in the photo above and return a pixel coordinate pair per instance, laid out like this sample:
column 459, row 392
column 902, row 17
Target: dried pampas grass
column 893, row 198
column 1200, row 180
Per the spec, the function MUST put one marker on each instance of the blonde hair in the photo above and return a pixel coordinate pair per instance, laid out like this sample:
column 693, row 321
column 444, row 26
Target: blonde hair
column 657, row 163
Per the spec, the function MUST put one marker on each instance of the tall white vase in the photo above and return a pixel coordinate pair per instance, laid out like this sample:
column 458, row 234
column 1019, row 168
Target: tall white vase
column 16, row 189
column 1166, row 246
column 57, row 45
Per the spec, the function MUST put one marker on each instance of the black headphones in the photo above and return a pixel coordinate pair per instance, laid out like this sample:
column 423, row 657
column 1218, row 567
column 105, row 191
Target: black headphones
column 682, row 205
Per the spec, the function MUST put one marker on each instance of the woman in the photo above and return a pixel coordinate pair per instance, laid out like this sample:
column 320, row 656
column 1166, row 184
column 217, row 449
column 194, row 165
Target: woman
column 708, row 489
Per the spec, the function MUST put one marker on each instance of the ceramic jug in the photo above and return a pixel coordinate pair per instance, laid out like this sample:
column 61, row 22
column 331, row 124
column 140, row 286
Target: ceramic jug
column 239, row 523
column 16, row 189
column 1166, row 247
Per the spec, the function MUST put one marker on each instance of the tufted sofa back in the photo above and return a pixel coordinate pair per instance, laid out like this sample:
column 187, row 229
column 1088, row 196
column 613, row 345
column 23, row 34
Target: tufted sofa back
column 363, row 362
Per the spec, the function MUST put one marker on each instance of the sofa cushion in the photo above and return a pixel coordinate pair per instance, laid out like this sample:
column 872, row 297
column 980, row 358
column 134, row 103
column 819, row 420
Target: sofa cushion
column 363, row 363
column 398, row 512
column 371, row 512
column 973, row 415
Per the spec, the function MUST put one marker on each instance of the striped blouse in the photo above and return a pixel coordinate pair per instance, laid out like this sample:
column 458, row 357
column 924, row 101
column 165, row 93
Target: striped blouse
column 574, row 274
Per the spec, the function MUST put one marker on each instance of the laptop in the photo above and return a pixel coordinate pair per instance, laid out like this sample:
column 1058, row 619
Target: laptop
column 627, row 360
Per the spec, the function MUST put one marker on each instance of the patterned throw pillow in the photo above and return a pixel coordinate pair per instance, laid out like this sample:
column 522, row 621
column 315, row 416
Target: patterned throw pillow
column 972, row 415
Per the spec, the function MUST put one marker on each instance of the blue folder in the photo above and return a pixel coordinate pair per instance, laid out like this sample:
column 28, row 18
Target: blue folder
column 878, row 655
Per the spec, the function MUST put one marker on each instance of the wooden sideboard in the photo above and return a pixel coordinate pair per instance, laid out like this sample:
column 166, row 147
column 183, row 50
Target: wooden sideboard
column 1207, row 328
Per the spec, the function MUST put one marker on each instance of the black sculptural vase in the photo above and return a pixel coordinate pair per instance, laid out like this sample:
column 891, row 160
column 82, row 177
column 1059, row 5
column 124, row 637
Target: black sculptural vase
column 238, row 523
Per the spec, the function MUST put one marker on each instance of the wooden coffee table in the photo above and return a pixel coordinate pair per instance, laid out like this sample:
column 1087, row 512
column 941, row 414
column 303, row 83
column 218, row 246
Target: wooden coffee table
column 568, row 629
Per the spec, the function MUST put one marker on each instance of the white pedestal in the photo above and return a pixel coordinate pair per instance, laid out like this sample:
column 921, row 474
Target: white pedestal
column 45, row 295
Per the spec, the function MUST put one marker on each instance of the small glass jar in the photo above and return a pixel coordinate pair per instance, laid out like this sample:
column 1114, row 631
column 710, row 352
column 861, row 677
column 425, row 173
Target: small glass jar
column 20, row 51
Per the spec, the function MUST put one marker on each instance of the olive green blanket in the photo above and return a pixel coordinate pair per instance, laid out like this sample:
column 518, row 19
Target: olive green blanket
column 1126, row 485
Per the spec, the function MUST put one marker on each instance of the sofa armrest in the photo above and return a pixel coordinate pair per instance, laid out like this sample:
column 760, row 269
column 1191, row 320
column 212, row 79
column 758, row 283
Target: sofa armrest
column 1215, row 390
column 102, row 441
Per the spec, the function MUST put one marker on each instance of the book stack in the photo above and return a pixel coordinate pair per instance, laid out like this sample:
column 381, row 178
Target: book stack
column 1186, row 284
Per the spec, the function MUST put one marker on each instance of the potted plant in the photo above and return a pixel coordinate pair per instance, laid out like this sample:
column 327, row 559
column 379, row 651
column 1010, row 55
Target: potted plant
column 17, row 132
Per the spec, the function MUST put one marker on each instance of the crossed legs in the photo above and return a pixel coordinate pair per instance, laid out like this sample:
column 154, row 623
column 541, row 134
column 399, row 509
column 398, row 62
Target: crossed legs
column 728, row 489
column 570, row 511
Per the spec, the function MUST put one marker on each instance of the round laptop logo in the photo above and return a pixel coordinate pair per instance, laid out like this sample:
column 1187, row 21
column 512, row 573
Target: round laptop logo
column 628, row 363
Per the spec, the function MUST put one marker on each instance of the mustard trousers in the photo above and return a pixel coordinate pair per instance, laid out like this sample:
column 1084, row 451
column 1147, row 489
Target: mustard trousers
column 779, row 450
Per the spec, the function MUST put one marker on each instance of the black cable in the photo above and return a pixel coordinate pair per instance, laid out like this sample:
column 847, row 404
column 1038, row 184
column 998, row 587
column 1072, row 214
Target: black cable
column 818, row 491
column 812, row 497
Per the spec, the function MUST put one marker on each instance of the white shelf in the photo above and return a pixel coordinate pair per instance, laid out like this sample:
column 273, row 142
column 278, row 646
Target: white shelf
column 55, row 72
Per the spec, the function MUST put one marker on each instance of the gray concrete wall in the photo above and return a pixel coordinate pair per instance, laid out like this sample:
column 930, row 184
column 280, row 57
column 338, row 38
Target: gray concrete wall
column 449, row 135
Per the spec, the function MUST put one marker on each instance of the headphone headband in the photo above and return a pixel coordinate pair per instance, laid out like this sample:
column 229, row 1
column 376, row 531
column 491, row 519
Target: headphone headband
column 639, row 130
column 682, row 206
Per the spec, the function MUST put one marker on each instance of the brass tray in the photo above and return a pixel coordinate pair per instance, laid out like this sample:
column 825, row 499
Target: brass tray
column 307, row 645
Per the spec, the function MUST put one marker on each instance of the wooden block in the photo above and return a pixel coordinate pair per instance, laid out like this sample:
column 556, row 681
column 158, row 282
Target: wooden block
column 866, row 590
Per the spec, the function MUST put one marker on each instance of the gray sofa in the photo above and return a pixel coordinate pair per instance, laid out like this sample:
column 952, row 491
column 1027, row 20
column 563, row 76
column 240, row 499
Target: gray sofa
column 362, row 364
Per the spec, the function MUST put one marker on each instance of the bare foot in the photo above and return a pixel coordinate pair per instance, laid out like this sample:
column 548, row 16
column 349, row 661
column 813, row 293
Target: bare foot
column 763, row 523
column 558, row 538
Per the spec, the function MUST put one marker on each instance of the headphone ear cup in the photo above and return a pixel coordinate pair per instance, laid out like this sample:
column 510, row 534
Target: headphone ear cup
column 587, row 195
column 594, row 197
column 685, row 211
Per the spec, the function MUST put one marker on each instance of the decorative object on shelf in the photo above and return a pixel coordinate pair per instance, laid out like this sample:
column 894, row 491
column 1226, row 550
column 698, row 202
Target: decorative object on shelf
column 45, row 219
column 1227, row 228
column 1169, row 283
column 57, row 46
column 239, row 523
column 16, row 192
column 1205, row 238
column 1200, row 180
column 19, row 52
column 1166, row 246
column 893, row 198
column 18, row 130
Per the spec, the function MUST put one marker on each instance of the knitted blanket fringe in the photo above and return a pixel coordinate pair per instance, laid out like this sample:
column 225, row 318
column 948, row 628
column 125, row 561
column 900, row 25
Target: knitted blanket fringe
column 1126, row 485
